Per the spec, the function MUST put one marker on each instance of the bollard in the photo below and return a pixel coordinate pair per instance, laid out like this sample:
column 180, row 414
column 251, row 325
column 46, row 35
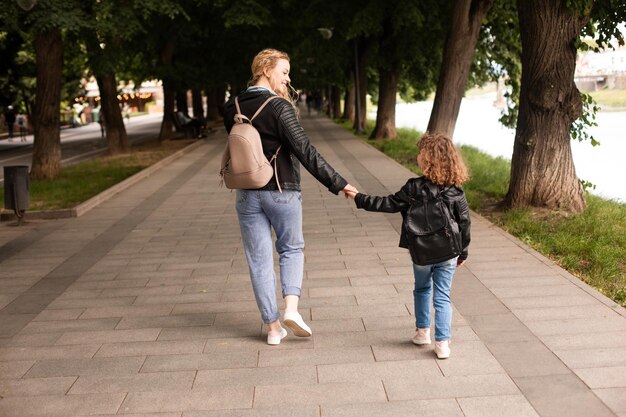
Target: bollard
column 16, row 189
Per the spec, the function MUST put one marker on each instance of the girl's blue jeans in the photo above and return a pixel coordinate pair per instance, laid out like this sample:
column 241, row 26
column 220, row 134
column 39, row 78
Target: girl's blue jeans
column 259, row 212
column 438, row 277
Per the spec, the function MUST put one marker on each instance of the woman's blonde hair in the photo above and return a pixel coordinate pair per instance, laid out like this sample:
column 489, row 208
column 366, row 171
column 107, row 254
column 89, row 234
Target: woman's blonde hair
column 267, row 59
column 440, row 161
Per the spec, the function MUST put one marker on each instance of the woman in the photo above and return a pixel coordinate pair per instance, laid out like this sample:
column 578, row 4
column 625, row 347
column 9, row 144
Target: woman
column 260, row 211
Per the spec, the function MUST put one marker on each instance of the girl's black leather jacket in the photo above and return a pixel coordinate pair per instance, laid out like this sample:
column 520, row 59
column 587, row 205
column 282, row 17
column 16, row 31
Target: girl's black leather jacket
column 278, row 125
column 453, row 197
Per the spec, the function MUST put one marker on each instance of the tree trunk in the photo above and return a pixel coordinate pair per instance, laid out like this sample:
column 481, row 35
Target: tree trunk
column 362, row 93
column 211, row 104
column 117, row 140
column 542, row 168
column 196, row 104
column 467, row 18
column 181, row 102
column 168, row 111
column 348, row 104
column 46, row 162
column 335, row 96
column 167, row 54
column 386, row 115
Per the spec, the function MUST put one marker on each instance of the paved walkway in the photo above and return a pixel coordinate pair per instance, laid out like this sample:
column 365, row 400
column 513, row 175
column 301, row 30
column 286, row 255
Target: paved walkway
column 143, row 307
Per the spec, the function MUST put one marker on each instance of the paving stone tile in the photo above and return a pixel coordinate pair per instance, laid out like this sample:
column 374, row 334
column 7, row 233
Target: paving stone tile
column 350, row 372
column 47, row 352
column 277, row 411
column 127, row 311
column 306, row 302
column 314, row 356
column 527, row 358
column 593, row 358
column 327, row 394
column 84, row 284
column 29, row 340
column 14, row 369
column 615, row 398
column 382, row 323
column 35, row 386
column 564, row 312
column 69, row 326
column 500, row 328
column 95, row 302
column 159, row 381
column 483, row 303
column 214, row 360
column 565, row 289
column 497, row 406
column 585, row 340
column 108, row 336
column 61, row 405
column 178, row 299
column 214, row 399
column 211, row 332
column 56, row 315
column 195, row 308
column 94, row 366
column 150, row 348
column 182, row 320
column 417, row 408
column 549, row 301
column 578, row 326
column 609, row 377
column 520, row 282
column 296, row 375
column 449, row 387
column 142, row 291
column 378, row 290
column 379, row 311
column 561, row 395
column 470, row 358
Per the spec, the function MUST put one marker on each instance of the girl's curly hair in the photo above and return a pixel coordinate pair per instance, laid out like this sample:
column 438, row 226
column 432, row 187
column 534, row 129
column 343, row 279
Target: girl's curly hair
column 440, row 161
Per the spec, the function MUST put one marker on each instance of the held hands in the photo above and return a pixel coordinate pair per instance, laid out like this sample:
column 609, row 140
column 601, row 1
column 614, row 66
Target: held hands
column 350, row 191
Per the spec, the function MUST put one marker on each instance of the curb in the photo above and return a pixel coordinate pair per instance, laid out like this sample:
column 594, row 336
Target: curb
column 94, row 201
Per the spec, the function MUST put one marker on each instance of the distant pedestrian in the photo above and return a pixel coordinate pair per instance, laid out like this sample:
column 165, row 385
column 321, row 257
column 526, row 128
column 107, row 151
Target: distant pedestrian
column 101, row 121
column 22, row 126
column 277, row 205
column 9, row 119
column 432, row 202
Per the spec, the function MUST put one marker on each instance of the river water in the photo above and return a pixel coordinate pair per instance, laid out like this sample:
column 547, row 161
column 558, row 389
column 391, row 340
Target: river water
column 478, row 126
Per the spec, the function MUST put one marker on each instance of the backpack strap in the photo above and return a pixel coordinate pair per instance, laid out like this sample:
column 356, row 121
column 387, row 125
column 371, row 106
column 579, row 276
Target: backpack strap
column 262, row 106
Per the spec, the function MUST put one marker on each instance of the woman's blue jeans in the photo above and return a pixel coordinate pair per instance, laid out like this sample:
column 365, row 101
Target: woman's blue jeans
column 437, row 276
column 259, row 212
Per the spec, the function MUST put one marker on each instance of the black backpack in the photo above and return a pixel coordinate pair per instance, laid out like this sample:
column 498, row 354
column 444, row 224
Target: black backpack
column 432, row 232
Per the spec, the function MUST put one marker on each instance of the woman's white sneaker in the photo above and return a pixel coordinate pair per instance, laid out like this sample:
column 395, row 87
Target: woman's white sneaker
column 442, row 349
column 296, row 324
column 274, row 338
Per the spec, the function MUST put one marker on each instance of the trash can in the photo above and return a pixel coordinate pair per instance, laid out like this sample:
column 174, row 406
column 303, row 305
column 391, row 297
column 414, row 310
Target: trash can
column 16, row 188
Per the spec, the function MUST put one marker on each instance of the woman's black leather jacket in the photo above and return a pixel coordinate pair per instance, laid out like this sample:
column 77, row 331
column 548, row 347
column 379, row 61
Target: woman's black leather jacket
column 278, row 125
column 453, row 197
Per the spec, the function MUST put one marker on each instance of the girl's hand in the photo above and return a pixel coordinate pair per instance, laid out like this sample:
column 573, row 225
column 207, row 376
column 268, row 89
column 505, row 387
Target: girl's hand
column 350, row 191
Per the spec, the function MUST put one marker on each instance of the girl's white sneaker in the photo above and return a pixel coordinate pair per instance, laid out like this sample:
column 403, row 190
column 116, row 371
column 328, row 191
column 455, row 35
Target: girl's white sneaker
column 442, row 349
column 422, row 337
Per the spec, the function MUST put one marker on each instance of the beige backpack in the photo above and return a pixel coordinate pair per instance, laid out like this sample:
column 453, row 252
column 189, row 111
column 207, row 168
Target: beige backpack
column 244, row 165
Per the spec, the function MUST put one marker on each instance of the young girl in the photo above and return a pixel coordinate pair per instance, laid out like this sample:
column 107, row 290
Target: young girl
column 444, row 173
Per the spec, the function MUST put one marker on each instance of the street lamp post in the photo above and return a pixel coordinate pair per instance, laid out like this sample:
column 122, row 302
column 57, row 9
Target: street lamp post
column 26, row 4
